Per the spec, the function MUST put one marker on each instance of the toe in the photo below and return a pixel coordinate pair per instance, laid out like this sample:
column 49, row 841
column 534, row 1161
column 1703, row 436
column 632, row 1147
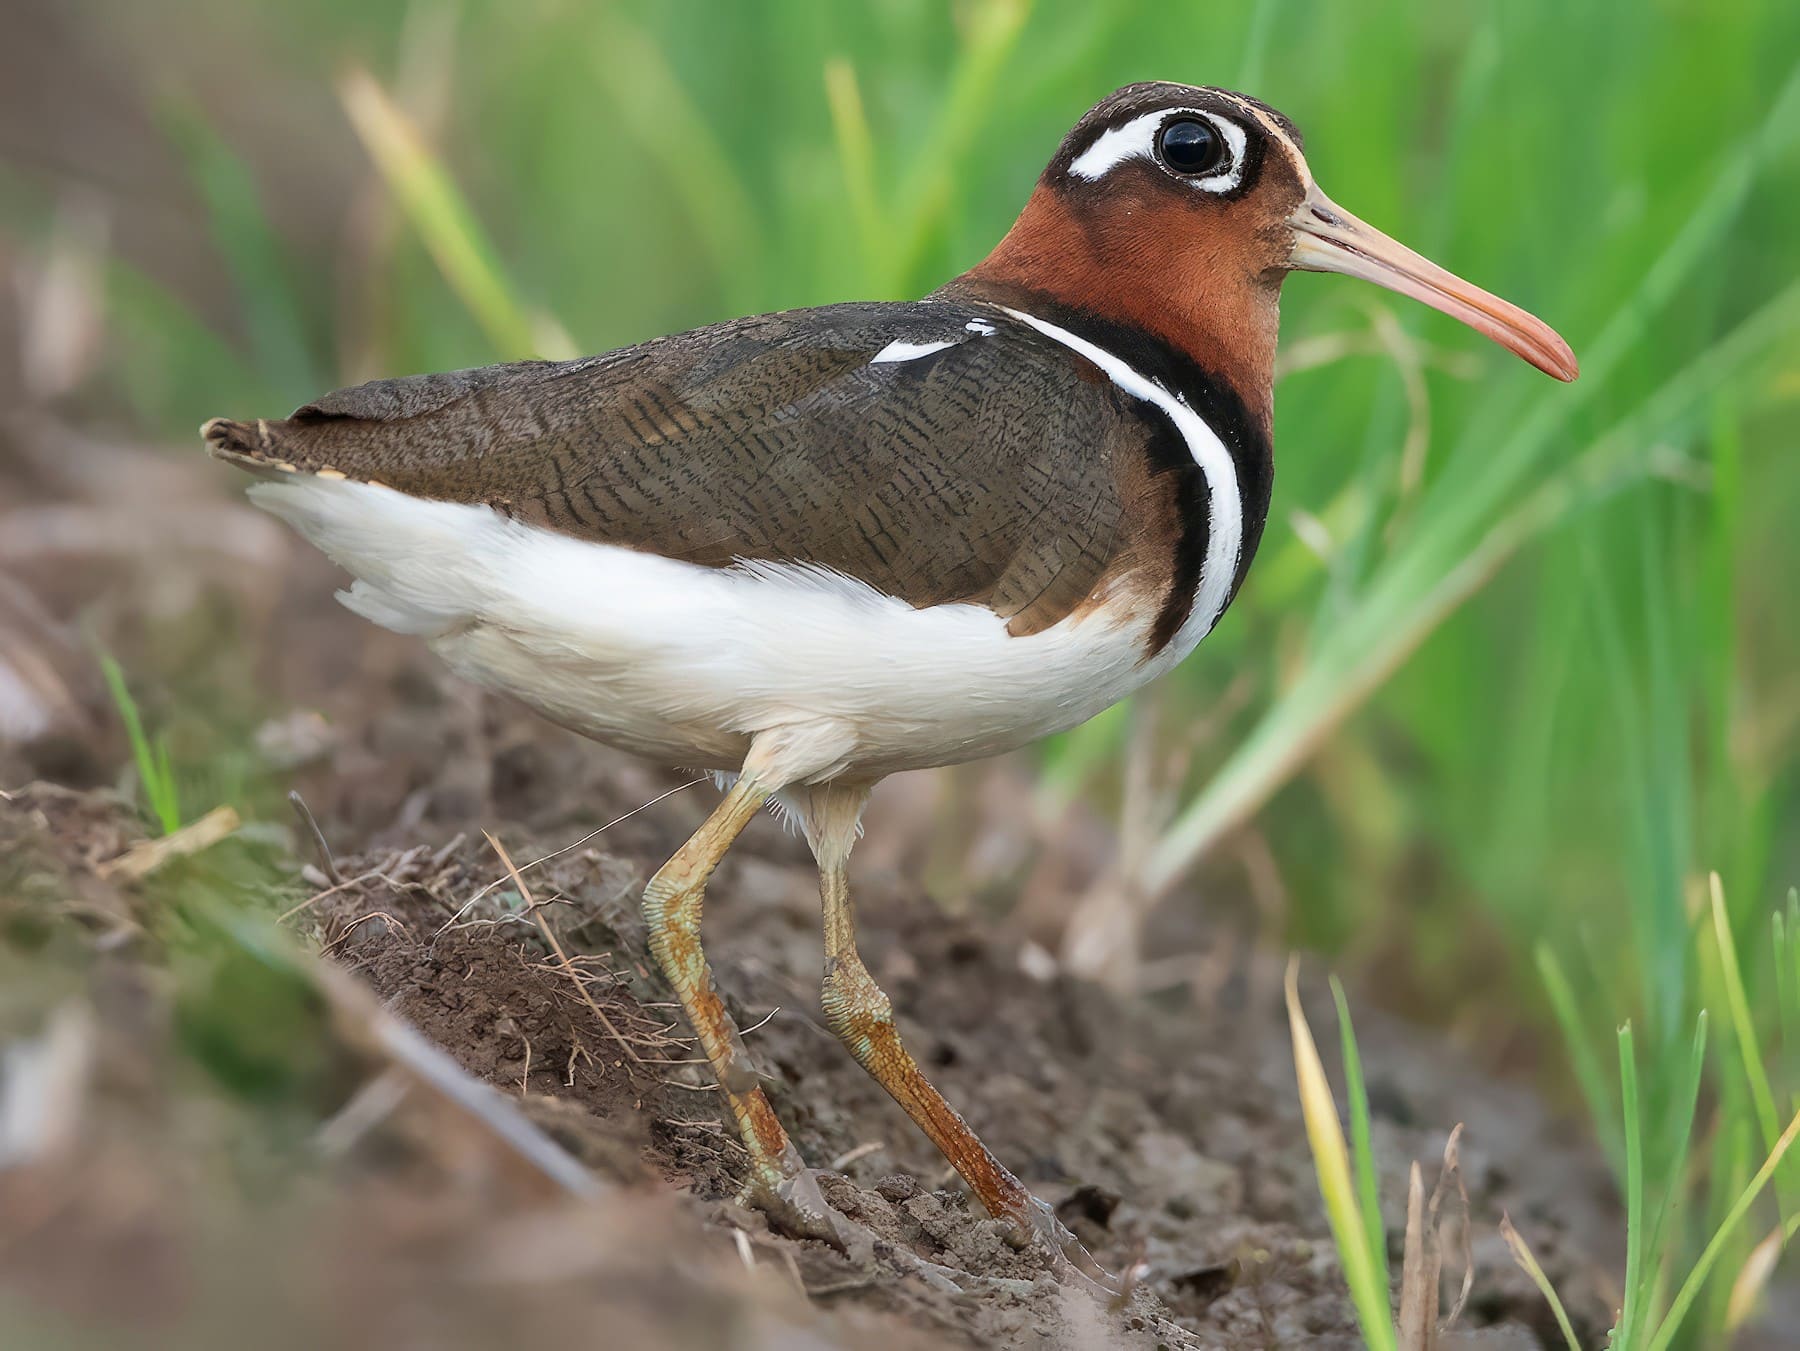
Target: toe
column 1068, row 1259
column 797, row 1206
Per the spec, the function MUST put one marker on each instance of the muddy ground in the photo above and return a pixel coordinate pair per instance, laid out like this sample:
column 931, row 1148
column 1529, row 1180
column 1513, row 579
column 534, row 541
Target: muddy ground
column 213, row 1150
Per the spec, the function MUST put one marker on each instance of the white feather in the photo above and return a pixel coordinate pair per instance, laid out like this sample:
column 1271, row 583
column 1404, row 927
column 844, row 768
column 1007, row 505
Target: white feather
column 908, row 351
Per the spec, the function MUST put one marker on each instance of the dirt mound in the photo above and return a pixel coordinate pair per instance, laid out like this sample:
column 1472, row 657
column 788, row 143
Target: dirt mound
column 1165, row 1135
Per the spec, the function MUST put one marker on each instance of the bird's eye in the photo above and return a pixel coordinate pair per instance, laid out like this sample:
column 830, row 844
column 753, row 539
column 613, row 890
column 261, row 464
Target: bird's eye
column 1190, row 146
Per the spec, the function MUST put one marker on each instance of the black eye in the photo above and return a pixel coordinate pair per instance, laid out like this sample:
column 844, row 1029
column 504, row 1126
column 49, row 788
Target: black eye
column 1190, row 146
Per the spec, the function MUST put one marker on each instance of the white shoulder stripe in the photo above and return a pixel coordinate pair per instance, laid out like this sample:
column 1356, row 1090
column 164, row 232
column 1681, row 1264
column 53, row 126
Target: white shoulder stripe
column 1224, row 500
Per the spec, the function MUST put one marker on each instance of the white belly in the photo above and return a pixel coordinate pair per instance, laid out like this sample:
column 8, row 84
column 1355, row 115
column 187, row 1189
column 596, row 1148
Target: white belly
column 684, row 664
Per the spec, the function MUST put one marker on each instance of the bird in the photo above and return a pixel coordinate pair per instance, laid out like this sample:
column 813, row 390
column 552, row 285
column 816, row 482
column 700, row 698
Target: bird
column 807, row 550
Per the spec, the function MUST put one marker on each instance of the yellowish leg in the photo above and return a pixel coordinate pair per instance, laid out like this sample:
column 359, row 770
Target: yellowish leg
column 863, row 1019
column 779, row 1180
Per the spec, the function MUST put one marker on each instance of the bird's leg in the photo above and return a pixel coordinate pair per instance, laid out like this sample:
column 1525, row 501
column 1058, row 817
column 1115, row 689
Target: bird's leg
column 779, row 1181
column 863, row 1019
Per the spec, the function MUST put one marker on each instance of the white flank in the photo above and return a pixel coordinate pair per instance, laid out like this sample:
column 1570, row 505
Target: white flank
column 683, row 663
column 1136, row 139
column 908, row 351
column 1224, row 501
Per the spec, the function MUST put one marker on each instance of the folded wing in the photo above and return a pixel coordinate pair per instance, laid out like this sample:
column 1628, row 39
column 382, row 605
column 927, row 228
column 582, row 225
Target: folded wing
column 938, row 452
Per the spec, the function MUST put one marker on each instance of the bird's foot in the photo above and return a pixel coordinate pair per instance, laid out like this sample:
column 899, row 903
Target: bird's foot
column 797, row 1207
column 1036, row 1227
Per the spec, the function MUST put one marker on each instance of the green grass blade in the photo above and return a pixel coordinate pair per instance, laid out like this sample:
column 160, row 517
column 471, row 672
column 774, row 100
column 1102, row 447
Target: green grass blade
column 856, row 159
column 976, row 82
column 1787, row 994
column 1527, row 1260
column 1362, row 1152
column 261, row 276
column 1782, row 949
column 1588, row 1074
column 1733, row 1160
column 165, row 798
column 1743, row 1029
column 156, row 785
column 654, row 106
column 1417, row 593
column 1717, row 205
column 1696, row 1278
column 1674, row 1160
column 1331, row 1161
column 1635, row 1228
column 443, row 220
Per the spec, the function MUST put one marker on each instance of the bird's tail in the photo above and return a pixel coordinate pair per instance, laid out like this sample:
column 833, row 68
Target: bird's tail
column 256, row 446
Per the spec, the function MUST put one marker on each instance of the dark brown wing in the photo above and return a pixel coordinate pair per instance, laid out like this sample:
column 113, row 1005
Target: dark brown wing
column 987, row 470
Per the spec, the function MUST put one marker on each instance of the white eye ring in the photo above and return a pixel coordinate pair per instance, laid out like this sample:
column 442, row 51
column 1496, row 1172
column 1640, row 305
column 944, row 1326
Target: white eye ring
column 1136, row 139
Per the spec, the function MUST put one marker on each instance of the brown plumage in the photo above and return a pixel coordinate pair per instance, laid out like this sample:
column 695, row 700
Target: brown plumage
column 994, row 471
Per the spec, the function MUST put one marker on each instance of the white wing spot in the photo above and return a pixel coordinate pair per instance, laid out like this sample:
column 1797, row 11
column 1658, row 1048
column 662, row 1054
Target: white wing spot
column 980, row 327
column 908, row 351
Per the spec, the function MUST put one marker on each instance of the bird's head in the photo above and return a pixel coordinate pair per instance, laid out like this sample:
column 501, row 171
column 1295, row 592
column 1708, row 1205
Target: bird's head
column 1181, row 209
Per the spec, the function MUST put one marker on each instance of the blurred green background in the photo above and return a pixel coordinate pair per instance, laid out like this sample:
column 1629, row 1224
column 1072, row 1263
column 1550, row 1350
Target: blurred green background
column 1518, row 665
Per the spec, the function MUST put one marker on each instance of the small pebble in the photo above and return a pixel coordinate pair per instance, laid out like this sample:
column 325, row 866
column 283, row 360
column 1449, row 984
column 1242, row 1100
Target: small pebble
column 897, row 1187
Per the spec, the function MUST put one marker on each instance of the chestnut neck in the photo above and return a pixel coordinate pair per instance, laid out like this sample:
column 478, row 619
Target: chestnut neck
column 1200, row 296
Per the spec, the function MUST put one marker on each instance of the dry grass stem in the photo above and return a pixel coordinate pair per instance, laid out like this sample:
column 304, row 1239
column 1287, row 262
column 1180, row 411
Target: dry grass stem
column 327, row 864
column 389, row 874
column 1747, row 1287
column 558, row 853
column 568, row 968
column 761, row 1022
column 1527, row 1260
column 1418, row 1272
column 1453, row 1173
column 850, row 1156
column 368, row 1107
column 142, row 859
